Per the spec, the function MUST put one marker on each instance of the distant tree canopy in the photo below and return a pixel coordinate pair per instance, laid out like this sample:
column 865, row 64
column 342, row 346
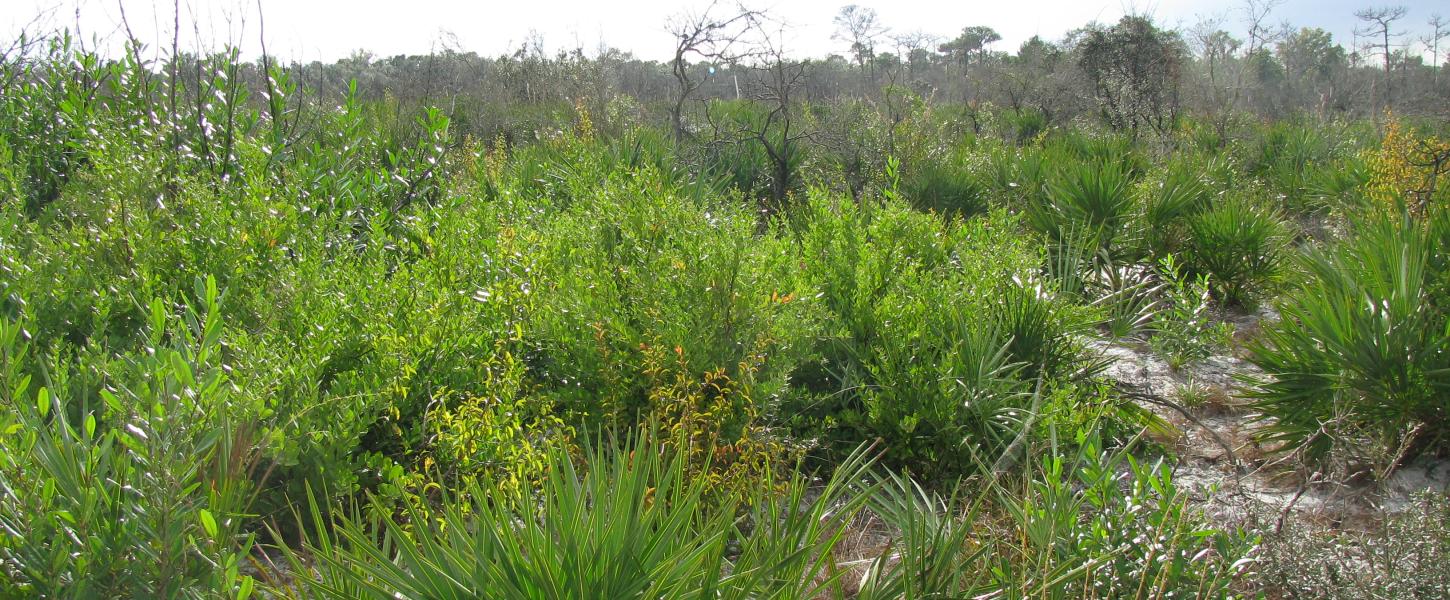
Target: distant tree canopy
column 1135, row 69
column 971, row 45
column 1133, row 75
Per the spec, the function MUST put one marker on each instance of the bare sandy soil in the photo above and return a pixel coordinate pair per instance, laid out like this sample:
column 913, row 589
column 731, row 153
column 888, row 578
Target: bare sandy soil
column 1242, row 478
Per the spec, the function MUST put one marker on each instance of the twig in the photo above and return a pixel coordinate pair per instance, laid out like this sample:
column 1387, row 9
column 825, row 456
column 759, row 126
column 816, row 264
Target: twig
column 1284, row 514
column 1164, row 402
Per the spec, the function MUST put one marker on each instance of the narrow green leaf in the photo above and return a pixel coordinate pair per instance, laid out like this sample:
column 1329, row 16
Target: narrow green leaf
column 208, row 522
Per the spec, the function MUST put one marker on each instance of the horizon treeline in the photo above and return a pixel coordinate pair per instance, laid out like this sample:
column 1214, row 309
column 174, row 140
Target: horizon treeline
column 1130, row 75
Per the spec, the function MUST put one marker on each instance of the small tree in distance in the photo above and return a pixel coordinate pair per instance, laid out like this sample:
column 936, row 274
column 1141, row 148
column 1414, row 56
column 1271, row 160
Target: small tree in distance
column 1379, row 23
column 705, row 35
column 1134, row 68
column 1439, row 28
column 860, row 27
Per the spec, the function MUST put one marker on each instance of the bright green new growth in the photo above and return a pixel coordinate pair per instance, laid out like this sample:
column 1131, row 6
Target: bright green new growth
column 542, row 350
column 1183, row 331
column 142, row 493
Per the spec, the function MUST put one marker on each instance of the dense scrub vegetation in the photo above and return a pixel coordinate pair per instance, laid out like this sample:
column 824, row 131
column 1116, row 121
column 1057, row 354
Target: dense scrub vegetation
column 259, row 339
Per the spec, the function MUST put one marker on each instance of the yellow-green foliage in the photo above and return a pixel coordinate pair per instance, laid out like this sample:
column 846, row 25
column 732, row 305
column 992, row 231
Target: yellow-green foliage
column 504, row 435
column 1399, row 171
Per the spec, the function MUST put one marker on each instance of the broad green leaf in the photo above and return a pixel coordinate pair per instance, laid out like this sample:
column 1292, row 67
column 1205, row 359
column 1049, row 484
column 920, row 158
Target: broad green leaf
column 208, row 522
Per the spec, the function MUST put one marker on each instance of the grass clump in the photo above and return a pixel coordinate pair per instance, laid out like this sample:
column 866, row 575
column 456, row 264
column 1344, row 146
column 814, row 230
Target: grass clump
column 947, row 189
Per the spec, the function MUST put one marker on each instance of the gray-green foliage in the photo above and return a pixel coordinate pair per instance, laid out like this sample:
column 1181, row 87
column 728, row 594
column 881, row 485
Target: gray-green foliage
column 1403, row 557
column 1102, row 524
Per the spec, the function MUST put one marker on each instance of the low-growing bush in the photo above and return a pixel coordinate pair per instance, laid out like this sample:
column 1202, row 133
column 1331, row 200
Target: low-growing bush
column 1183, row 331
column 631, row 522
column 144, row 489
column 1183, row 191
column 1101, row 524
column 1403, row 557
column 938, row 333
column 948, row 189
column 1240, row 247
column 1359, row 364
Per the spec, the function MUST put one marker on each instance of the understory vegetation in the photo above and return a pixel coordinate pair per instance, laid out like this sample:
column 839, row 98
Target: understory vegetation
column 258, row 340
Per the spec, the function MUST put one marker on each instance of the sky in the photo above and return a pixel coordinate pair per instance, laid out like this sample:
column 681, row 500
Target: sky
column 327, row 30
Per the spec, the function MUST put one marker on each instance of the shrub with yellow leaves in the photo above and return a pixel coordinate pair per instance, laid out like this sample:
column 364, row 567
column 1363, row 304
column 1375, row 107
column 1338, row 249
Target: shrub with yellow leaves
column 584, row 124
column 505, row 435
column 1403, row 169
column 715, row 418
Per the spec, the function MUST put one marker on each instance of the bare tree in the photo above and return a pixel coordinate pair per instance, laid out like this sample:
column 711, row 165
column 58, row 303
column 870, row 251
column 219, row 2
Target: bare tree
column 705, row 35
column 859, row 27
column 1379, row 24
column 774, row 124
column 14, row 54
column 778, row 76
column 1260, row 34
column 1439, row 30
column 1215, row 48
column 283, row 102
column 1256, row 16
column 915, row 48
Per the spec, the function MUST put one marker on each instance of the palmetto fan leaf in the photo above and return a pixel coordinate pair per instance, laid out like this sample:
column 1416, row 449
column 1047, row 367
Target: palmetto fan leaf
column 1361, row 348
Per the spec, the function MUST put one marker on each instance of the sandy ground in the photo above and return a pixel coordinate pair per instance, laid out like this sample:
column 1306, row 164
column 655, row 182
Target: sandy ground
column 1228, row 486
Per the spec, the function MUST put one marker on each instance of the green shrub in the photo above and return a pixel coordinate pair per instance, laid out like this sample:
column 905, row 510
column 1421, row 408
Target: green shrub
column 143, row 490
column 1338, row 186
column 741, row 157
column 633, row 522
column 1090, row 525
column 636, row 284
column 1026, row 125
column 936, row 336
column 1240, row 247
column 1129, row 299
column 1089, row 146
column 1359, row 364
column 1184, row 332
column 947, row 189
column 429, row 327
column 1287, row 154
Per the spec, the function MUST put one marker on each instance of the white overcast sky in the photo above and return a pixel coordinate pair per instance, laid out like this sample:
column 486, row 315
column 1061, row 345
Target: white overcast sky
column 330, row 29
